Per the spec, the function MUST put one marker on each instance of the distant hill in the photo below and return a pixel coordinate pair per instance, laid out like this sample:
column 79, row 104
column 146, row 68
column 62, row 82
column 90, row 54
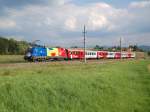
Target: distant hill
column 144, row 48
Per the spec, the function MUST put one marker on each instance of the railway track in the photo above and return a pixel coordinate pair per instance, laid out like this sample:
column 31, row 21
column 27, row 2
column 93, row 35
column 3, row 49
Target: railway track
column 72, row 62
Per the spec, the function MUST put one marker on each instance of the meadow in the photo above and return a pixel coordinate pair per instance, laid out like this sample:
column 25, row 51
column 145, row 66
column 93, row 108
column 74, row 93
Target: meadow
column 118, row 86
column 11, row 59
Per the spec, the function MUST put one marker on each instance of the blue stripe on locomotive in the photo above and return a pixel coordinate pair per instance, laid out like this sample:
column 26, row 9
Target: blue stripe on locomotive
column 39, row 51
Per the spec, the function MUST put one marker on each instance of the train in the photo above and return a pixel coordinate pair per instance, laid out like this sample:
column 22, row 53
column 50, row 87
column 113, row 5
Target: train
column 49, row 54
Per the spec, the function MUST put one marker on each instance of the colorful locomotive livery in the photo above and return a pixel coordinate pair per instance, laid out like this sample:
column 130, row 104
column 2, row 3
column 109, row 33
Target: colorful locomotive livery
column 44, row 53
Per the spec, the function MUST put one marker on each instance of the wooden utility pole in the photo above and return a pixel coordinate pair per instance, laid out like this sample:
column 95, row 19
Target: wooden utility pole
column 84, row 34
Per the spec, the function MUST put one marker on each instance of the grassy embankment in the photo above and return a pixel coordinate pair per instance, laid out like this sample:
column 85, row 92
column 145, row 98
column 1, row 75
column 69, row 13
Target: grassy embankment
column 11, row 59
column 58, row 87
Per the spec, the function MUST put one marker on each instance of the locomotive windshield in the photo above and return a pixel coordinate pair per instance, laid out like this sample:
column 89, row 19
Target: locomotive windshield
column 28, row 53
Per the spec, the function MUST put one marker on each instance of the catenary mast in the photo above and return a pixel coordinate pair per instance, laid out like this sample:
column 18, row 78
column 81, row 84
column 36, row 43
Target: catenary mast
column 84, row 34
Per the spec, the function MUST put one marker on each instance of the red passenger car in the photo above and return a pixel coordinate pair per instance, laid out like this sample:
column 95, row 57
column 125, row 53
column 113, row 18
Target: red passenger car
column 117, row 55
column 102, row 54
column 75, row 54
column 129, row 55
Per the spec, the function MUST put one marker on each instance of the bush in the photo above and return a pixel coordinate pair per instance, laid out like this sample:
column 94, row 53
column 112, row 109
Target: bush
column 148, row 53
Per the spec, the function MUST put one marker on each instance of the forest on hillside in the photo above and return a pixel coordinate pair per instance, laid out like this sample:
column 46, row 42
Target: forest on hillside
column 11, row 46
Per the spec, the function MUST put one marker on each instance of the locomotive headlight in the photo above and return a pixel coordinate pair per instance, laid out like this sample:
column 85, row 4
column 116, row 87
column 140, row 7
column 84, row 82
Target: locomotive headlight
column 28, row 54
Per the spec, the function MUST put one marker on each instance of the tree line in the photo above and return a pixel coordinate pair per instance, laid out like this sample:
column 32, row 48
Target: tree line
column 117, row 48
column 11, row 46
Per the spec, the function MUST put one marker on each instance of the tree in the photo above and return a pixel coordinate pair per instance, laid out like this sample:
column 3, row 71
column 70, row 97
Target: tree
column 4, row 45
column 97, row 47
column 135, row 48
column 22, row 47
column 74, row 46
column 11, row 46
column 148, row 53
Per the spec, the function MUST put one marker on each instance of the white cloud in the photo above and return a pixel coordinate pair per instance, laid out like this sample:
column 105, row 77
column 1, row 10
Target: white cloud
column 140, row 4
column 71, row 23
column 52, row 21
column 97, row 21
column 61, row 2
column 69, row 16
column 6, row 24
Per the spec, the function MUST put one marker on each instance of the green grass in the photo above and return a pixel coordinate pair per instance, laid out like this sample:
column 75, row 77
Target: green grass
column 11, row 59
column 58, row 87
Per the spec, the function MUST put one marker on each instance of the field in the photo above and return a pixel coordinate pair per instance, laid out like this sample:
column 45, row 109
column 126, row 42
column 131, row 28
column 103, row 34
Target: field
column 103, row 86
column 11, row 59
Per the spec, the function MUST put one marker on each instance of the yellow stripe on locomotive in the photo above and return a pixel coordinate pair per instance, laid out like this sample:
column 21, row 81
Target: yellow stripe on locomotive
column 52, row 52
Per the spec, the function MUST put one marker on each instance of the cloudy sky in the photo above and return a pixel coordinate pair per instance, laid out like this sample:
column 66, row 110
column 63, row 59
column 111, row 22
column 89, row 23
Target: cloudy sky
column 60, row 22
